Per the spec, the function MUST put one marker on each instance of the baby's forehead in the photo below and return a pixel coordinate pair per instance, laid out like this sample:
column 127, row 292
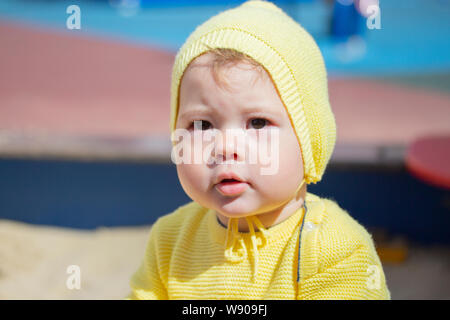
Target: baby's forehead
column 225, row 73
column 236, row 84
column 203, row 59
column 243, row 98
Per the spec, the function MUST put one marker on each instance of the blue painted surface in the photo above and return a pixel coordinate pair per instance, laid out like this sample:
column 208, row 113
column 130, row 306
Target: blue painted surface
column 87, row 194
column 92, row 194
column 391, row 199
column 413, row 36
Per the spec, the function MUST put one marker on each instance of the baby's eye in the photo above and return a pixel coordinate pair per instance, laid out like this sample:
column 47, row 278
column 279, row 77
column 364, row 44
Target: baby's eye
column 202, row 124
column 259, row 123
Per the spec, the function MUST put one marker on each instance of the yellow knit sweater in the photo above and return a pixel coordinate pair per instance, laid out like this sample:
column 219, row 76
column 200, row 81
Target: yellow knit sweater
column 190, row 255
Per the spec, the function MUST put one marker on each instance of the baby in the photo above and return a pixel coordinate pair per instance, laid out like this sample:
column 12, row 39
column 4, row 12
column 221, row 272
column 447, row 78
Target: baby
column 252, row 230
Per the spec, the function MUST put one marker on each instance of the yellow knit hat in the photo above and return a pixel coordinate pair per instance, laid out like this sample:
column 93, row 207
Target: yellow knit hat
column 289, row 54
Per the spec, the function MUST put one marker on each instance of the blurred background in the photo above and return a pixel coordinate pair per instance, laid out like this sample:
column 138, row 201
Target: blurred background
column 85, row 163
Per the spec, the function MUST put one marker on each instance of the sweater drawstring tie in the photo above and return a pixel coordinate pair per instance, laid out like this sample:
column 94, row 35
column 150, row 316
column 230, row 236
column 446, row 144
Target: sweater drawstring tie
column 237, row 251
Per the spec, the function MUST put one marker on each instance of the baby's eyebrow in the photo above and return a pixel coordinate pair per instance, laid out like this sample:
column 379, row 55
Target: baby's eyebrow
column 257, row 109
column 194, row 112
column 263, row 111
column 203, row 111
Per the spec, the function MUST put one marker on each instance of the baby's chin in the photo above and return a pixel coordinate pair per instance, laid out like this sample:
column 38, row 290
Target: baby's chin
column 237, row 208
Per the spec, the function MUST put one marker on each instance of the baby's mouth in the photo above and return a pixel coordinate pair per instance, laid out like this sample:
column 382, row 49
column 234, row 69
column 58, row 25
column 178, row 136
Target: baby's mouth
column 231, row 187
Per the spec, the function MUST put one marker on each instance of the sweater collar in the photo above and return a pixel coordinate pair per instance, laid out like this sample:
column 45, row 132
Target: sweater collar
column 281, row 230
column 235, row 242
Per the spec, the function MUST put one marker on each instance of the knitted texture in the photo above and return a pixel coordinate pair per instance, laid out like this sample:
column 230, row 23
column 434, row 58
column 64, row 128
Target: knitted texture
column 184, row 258
column 292, row 59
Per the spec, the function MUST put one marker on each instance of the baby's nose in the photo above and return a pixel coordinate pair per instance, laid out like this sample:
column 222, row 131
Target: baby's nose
column 228, row 156
column 230, row 148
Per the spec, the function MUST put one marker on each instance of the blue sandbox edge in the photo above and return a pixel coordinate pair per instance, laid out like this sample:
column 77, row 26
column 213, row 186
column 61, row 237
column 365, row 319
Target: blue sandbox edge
column 88, row 195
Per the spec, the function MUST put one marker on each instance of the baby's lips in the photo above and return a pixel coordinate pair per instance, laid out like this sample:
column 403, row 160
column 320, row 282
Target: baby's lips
column 231, row 187
column 228, row 175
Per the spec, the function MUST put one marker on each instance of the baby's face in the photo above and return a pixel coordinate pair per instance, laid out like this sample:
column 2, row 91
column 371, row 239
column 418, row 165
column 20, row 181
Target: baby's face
column 250, row 102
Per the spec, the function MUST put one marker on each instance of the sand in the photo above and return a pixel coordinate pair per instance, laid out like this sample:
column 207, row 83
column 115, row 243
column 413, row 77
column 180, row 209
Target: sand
column 34, row 261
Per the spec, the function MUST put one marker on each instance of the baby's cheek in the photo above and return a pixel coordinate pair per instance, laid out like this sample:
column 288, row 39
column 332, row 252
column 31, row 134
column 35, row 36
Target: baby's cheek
column 193, row 178
column 291, row 161
column 280, row 184
column 289, row 168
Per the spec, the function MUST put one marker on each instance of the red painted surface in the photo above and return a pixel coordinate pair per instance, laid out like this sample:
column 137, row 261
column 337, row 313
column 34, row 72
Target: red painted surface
column 64, row 84
column 428, row 158
column 371, row 112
